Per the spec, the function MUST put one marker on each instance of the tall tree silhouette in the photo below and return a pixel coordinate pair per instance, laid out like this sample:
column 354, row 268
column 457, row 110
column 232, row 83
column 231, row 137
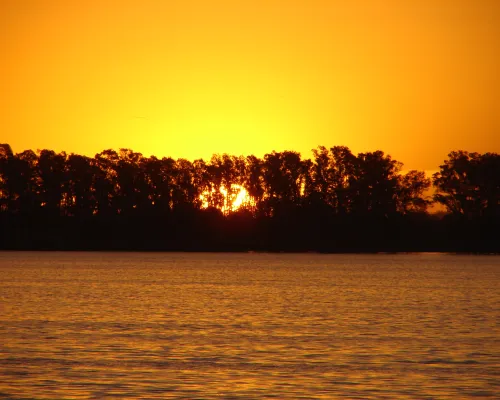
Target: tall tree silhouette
column 7, row 193
column 81, row 200
column 253, row 181
column 130, row 182
column 336, row 201
column 158, row 177
column 284, row 180
column 411, row 193
column 468, row 184
column 20, row 182
column 105, row 183
column 333, row 177
column 52, row 181
column 186, row 193
column 375, row 184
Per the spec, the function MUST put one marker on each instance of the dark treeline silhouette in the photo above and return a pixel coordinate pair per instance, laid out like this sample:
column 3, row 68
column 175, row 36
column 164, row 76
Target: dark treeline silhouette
column 334, row 202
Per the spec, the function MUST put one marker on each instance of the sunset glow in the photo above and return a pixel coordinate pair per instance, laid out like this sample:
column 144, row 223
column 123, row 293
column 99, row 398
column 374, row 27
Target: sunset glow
column 191, row 78
column 241, row 198
column 249, row 199
column 232, row 202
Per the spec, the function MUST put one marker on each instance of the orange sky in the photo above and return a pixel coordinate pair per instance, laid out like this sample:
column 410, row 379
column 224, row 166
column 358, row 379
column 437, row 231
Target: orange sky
column 189, row 78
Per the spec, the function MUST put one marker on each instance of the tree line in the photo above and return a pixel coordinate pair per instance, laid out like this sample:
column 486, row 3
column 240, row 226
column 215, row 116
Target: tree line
column 334, row 201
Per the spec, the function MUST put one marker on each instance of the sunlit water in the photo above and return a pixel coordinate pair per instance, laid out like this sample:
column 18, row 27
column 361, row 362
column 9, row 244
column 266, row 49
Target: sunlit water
column 248, row 326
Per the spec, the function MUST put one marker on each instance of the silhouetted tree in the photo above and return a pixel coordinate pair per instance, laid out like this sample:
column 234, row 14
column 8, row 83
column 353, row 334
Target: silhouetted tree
column 333, row 174
column 158, row 176
column 411, row 194
column 283, row 180
column 253, row 181
column 6, row 193
column 374, row 187
column 336, row 201
column 186, row 193
column 20, row 182
column 130, row 182
column 80, row 198
column 468, row 184
column 52, row 181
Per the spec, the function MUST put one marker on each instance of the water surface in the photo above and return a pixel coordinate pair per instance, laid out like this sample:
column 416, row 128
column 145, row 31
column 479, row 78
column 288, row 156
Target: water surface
column 246, row 326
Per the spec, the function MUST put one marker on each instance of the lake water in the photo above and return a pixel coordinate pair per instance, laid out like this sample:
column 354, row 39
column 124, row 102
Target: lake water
column 248, row 326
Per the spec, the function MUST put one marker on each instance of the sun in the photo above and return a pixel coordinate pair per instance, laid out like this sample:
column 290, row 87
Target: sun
column 233, row 199
column 241, row 198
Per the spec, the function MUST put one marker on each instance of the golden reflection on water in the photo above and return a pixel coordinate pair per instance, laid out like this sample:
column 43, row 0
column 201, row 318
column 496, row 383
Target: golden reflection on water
column 246, row 326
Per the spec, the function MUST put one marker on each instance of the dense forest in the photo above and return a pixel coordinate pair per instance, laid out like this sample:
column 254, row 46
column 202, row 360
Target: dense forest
column 335, row 201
